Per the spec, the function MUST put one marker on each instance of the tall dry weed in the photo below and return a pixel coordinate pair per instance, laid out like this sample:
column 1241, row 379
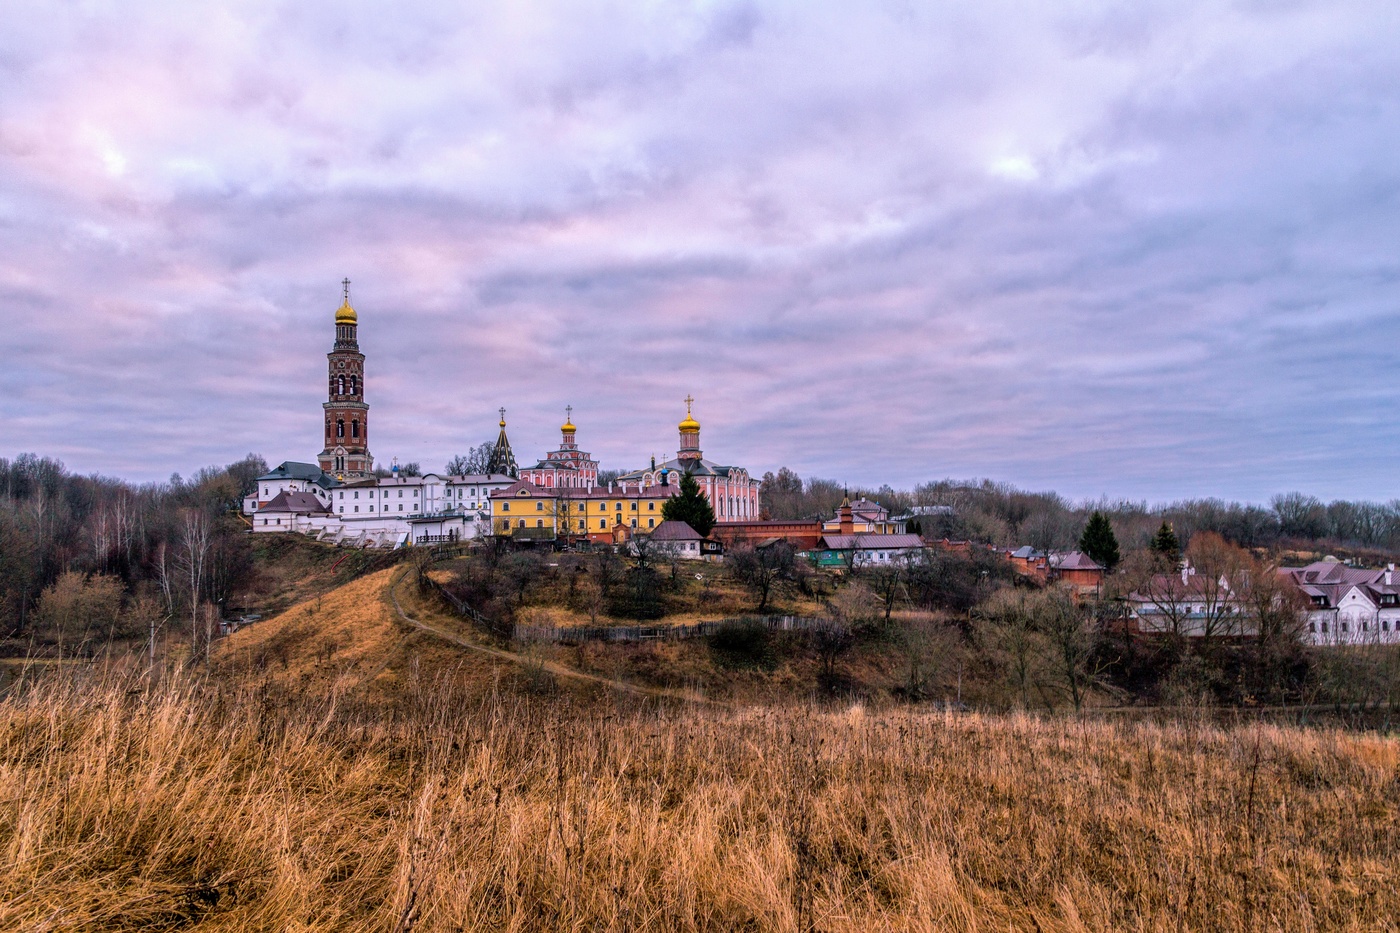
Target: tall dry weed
column 200, row 806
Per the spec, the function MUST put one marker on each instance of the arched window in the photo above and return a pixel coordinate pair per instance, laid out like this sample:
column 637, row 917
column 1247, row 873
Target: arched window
column 353, row 380
column 340, row 427
column 340, row 385
column 355, row 429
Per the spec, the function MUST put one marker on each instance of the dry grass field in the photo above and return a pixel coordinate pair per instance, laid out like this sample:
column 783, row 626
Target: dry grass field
column 202, row 805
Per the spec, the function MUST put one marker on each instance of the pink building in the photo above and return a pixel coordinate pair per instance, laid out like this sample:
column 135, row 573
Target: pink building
column 565, row 468
column 732, row 492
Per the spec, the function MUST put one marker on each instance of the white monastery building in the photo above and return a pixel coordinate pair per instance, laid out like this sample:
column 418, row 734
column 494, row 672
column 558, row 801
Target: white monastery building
column 342, row 500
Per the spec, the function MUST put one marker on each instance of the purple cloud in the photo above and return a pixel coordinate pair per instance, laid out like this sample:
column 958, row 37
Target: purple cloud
column 1140, row 250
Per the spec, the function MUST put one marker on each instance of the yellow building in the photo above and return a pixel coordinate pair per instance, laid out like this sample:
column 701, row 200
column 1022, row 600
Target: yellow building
column 524, row 510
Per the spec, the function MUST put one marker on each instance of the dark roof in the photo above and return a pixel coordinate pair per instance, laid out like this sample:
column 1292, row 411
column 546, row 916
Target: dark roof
column 502, row 458
column 581, row 492
column 674, row 531
column 870, row 542
column 701, row 467
column 518, row 487
column 299, row 502
column 1171, row 587
column 1331, row 572
column 293, row 469
column 1074, row 560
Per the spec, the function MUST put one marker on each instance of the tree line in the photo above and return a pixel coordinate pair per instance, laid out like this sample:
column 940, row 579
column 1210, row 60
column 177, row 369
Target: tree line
column 88, row 561
column 999, row 514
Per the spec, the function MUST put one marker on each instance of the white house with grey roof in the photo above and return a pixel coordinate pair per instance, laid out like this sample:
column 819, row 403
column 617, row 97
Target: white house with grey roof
column 389, row 511
column 1348, row 605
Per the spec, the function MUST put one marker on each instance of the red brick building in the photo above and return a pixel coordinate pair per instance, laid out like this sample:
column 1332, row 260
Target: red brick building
column 803, row 536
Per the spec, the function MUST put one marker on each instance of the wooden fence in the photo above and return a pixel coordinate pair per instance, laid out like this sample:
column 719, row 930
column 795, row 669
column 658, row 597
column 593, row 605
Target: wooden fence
column 577, row 634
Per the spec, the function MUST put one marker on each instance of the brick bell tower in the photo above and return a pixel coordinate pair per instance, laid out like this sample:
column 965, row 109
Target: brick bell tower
column 346, row 454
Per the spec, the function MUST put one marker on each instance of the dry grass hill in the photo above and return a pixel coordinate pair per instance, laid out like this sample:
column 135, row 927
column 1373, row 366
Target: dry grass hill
column 341, row 768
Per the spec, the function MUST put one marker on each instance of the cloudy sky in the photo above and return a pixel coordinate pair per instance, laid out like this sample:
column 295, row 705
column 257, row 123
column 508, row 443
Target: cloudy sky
column 1143, row 249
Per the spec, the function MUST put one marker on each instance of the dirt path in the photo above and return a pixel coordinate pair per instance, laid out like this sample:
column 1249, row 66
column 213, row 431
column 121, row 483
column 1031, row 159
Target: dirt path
column 558, row 670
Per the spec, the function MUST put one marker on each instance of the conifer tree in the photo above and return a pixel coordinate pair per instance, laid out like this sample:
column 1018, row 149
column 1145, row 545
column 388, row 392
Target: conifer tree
column 1099, row 542
column 691, row 507
column 1165, row 543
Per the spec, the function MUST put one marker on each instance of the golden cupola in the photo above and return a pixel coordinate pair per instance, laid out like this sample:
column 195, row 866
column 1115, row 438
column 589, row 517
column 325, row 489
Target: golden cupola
column 568, row 426
column 689, row 425
column 346, row 314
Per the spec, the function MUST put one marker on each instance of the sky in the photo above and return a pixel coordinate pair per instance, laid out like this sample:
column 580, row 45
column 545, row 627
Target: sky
column 1144, row 250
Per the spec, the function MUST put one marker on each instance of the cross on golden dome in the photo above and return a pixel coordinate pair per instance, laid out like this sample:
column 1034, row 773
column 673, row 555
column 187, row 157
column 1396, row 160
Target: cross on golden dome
column 346, row 314
column 689, row 424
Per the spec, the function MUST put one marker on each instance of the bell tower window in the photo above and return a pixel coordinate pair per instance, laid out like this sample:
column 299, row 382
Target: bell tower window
column 355, row 429
column 340, row 385
column 340, row 427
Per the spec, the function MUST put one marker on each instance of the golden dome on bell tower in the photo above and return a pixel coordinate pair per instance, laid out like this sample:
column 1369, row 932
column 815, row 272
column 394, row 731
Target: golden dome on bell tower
column 346, row 314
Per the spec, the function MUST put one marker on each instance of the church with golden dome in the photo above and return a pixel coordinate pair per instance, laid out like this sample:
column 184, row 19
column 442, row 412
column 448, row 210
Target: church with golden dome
column 732, row 492
column 344, row 501
column 565, row 468
column 346, row 453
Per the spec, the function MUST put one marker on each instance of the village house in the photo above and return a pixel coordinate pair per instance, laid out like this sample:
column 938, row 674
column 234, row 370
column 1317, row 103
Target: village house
column 1073, row 569
column 1348, row 605
column 866, row 518
column 1189, row 605
column 849, row 549
column 678, row 540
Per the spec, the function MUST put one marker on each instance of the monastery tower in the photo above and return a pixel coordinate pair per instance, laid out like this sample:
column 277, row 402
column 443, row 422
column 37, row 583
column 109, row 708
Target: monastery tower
column 346, row 454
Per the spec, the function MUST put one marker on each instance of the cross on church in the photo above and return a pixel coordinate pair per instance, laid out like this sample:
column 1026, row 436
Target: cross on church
column 688, row 401
column 569, row 413
column 346, row 284
column 503, row 416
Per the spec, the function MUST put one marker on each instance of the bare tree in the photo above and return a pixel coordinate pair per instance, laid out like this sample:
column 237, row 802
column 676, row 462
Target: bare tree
column 1008, row 630
column 831, row 638
column 888, row 580
column 1222, row 579
column 190, row 559
column 760, row 569
column 473, row 462
column 1072, row 641
column 835, row 630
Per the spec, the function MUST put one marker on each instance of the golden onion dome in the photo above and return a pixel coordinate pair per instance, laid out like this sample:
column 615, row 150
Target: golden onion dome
column 689, row 424
column 568, row 427
column 346, row 314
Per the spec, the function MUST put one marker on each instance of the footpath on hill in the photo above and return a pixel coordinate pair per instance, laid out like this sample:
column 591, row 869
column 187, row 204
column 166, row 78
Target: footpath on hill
column 557, row 670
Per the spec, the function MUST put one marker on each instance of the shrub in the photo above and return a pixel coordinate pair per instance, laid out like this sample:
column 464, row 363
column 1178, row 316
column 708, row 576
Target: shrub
column 743, row 643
